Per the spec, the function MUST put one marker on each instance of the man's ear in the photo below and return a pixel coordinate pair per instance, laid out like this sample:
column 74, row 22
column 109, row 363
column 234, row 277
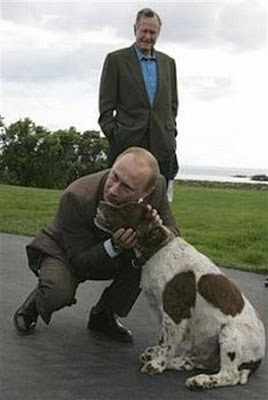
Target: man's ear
column 135, row 29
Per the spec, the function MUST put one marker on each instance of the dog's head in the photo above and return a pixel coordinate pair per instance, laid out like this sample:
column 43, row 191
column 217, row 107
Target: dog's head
column 151, row 234
column 112, row 217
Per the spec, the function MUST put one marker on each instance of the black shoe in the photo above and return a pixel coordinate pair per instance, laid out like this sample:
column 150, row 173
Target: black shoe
column 25, row 317
column 108, row 324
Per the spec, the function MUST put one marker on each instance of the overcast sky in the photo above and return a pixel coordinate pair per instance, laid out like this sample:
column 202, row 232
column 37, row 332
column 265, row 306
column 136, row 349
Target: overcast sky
column 53, row 52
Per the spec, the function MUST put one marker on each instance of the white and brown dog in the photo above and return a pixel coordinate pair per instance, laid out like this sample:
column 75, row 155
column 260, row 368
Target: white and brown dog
column 206, row 322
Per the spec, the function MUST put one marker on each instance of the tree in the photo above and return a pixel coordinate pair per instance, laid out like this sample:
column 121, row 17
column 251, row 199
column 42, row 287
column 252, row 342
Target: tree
column 18, row 152
column 31, row 155
column 91, row 153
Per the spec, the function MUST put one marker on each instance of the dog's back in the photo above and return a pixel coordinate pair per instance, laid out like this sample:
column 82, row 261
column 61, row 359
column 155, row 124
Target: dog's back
column 189, row 286
column 206, row 322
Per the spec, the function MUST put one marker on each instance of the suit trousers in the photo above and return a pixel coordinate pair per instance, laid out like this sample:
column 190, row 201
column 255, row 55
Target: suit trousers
column 57, row 288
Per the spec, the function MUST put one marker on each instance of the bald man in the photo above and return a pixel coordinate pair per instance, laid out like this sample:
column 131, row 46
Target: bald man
column 73, row 249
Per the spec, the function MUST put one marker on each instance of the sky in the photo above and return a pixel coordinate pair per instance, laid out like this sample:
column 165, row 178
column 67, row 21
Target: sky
column 52, row 53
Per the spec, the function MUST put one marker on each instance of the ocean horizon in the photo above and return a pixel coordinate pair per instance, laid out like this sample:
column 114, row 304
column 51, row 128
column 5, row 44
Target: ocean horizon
column 220, row 174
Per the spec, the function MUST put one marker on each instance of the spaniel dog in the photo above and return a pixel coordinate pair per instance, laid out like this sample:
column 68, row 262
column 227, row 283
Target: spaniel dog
column 206, row 322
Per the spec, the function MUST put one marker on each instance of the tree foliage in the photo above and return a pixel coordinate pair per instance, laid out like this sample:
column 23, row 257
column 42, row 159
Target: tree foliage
column 31, row 155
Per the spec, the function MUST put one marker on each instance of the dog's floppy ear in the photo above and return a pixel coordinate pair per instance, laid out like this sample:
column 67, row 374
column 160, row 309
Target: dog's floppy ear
column 134, row 214
column 106, row 204
column 139, row 210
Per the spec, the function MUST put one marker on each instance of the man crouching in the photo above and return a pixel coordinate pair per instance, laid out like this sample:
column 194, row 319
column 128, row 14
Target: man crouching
column 73, row 249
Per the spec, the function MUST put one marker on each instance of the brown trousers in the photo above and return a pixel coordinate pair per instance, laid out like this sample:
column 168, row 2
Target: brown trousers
column 57, row 288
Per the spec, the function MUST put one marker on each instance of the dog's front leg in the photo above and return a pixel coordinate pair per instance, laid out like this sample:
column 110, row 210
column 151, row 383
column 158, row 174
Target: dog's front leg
column 149, row 354
column 156, row 358
column 158, row 363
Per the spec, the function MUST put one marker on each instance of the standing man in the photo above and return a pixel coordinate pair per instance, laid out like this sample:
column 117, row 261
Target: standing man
column 138, row 99
column 73, row 249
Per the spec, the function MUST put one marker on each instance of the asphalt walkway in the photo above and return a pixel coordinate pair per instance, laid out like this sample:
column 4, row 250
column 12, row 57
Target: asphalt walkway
column 66, row 362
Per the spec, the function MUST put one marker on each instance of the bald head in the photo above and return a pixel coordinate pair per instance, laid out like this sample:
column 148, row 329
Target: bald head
column 132, row 176
column 143, row 158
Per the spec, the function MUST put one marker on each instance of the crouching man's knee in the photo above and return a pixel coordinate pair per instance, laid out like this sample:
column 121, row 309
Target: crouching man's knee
column 56, row 289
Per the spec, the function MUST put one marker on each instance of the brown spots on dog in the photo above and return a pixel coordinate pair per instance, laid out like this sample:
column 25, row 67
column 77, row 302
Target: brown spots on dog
column 231, row 355
column 179, row 296
column 150, row 239
column 222, row 293
column 251, row 365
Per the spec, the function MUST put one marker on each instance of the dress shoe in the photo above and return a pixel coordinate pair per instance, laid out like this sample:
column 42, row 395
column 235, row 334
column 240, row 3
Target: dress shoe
column 108, row 324
column 25, row 317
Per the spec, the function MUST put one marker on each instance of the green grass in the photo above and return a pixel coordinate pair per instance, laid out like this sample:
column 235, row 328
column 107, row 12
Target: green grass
column 23, row 211
column 228, row 225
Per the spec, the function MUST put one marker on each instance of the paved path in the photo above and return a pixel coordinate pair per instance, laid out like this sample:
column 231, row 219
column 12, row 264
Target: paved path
column 65, row 362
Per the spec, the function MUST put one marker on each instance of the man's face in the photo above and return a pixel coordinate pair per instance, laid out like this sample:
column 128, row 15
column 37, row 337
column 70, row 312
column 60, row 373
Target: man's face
column 126, row 181
column 146, row 33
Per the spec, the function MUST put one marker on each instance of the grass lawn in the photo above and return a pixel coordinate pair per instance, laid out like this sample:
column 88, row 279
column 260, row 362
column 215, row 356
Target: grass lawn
column 227, row 224
column 23, row 210
column 230, row 225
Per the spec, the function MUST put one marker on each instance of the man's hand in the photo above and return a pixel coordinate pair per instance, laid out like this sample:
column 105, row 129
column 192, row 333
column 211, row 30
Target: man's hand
column 158, row 219
column 125, row 238
column 154, row 213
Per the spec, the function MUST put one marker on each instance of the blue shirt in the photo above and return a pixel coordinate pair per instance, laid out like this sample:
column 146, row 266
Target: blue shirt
column 149, row 72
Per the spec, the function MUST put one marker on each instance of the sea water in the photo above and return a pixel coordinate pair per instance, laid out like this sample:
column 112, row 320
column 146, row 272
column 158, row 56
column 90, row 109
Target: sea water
column 220, row 174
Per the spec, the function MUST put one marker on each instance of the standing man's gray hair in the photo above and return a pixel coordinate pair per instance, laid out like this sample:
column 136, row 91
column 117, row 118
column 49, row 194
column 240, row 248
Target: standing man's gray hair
column 149, row 13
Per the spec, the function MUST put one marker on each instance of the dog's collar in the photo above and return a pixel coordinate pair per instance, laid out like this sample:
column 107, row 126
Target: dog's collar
column 101, row 227
column 138, row 262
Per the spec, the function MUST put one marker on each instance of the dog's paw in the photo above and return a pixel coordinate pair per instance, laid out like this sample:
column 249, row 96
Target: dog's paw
column 201, row 382
column 154, row 367
column 179, row 364
column 148, row 354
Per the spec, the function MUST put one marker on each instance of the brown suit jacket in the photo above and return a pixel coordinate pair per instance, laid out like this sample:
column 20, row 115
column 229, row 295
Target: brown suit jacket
column 122, row 89
column 73, row 237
